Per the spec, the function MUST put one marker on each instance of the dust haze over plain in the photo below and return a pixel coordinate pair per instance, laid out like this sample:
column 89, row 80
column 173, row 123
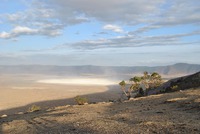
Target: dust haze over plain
column 96, row 74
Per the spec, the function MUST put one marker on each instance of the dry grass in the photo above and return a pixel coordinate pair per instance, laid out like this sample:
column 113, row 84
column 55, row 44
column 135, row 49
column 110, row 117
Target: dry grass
column 177, row 113
column 81, row 100
column 34, row 108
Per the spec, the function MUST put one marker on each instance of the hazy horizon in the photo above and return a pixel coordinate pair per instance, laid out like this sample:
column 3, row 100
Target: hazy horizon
column 163, row 65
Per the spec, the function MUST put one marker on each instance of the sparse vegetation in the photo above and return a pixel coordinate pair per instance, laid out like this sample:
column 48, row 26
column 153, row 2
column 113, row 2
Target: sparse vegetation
column 174, row 87
column 123, row 88
column 141, row 84
column 34, row 108
column 81, row 100
column 84, row 119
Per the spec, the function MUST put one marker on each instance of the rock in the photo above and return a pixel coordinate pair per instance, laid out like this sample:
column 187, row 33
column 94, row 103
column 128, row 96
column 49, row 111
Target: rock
column 67, row 105
column 20, row 113
column 4, row 115
column 132, row 99
column 101, row 102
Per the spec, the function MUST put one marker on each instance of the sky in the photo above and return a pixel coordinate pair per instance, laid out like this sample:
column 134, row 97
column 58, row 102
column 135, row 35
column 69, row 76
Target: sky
column 99, row 32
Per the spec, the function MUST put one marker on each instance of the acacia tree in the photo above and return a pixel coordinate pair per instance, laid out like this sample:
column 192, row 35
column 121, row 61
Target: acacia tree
column 123, row 88
column 156, row 79
column 142, row 83
column 135, row 82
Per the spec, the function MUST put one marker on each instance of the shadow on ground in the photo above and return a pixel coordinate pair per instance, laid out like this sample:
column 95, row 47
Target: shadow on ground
column 177, row 112
column 113, row 91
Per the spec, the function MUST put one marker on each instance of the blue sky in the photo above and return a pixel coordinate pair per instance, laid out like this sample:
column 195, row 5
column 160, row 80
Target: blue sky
column 94, row 32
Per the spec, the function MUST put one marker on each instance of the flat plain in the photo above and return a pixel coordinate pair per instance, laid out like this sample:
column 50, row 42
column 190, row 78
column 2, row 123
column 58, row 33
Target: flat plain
column 18, row 92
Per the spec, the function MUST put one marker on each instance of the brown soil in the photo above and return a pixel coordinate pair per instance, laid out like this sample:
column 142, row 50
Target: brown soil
column 177, row 113
column 18, row 92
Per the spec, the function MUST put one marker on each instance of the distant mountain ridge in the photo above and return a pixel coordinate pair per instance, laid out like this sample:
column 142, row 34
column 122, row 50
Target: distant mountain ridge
column 179, row 68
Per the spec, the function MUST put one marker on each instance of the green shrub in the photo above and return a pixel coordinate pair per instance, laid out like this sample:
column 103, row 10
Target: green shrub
column 80, row 100
column 174, row 87
column 34, row 108
column 162, row 90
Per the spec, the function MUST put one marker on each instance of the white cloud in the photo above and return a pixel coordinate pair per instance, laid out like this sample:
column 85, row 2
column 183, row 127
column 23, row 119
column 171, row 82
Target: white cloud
column 135, row 41
column 52, row 16
column 130, row 11
column 4, row 35
column 180, row 12
column 23, row 30
column 126, row 11
column 17, row 31
column 113, row 28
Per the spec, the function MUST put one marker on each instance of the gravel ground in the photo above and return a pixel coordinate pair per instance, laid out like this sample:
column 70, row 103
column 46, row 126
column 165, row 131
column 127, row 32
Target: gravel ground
column 177, row 113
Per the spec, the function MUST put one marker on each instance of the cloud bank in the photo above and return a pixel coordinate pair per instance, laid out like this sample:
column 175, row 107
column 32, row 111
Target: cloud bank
column 110, row 28
column 49, row 18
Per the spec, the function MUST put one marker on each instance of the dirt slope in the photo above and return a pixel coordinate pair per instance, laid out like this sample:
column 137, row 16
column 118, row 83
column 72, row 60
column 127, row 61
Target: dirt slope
column 182, row 83
column 177, row 112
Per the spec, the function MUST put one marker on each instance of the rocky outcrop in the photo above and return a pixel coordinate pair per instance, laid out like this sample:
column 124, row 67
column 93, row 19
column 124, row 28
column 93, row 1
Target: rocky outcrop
column 181, row 83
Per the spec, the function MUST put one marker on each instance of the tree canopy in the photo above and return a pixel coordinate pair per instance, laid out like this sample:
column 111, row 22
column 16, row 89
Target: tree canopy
column 151, row 81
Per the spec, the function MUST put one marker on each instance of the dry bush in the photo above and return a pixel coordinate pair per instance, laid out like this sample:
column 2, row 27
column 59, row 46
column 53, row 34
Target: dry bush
column 34, row 108
column 80, row 100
